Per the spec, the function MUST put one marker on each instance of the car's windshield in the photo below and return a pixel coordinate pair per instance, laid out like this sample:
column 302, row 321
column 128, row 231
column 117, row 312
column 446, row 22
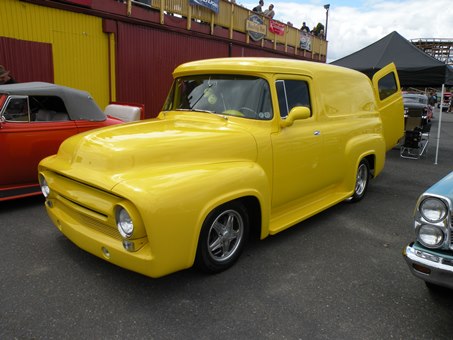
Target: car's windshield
column 411, row 98
column 241, row 96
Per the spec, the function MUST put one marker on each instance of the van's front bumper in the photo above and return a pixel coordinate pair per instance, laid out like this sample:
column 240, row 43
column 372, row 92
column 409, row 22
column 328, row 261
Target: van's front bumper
column 428, row 265
column 107, row 246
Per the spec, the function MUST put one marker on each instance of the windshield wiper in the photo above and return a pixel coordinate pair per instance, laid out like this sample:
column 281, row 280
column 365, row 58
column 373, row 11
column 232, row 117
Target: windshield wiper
column 197, row 110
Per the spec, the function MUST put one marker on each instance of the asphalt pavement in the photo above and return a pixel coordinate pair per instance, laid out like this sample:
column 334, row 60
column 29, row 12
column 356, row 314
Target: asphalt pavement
column 338, row 275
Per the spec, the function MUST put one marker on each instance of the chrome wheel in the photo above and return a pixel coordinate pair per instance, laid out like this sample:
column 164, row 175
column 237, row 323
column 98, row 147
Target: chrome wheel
column 225, row 235
column 361, row 181
column 222, row 237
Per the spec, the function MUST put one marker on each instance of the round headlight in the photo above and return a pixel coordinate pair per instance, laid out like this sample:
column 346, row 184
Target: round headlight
column 124, row 223
column 430, row 236
column 433, row 209
column 44, row 186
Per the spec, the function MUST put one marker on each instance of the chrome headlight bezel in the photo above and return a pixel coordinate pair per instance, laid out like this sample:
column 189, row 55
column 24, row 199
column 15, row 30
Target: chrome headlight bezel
column 433, row 209
column 124, row 222
column 431, row 236
column 45, row 189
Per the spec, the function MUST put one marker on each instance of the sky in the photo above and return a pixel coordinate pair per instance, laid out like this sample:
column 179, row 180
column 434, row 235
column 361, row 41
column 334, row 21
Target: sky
column 353, row 25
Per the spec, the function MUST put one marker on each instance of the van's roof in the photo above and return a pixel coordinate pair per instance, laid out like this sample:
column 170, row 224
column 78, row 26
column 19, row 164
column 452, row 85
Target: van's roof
column 259, row 65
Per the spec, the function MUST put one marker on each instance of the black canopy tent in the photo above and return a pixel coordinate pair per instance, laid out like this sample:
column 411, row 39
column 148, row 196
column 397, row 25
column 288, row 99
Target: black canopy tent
column 449, row 76
column 415, row 67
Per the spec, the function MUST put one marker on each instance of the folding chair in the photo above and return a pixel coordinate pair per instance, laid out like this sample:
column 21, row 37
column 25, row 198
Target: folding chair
column 415, row 144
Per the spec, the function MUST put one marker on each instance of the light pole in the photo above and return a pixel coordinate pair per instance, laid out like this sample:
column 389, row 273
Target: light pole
column 326, row 7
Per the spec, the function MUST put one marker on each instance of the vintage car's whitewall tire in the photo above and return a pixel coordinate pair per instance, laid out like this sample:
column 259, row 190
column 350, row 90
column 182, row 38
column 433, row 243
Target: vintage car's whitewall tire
column 222, row 238
column 362, row 180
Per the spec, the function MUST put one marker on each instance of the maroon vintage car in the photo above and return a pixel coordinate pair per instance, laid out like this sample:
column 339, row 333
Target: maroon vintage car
column 34, row 119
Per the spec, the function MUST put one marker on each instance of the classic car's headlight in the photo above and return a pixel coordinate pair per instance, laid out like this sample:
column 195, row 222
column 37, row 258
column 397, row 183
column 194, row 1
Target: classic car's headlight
column 433, row 209
column 44, row 186
column 430, row 236
column 124, row 222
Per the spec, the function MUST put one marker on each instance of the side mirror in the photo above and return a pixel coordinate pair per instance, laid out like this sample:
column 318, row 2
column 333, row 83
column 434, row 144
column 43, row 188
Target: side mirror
column 296, row 113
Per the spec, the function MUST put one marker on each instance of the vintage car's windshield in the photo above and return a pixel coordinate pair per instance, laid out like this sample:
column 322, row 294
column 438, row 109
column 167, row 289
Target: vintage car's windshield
column 415, row 98
column 241, row 96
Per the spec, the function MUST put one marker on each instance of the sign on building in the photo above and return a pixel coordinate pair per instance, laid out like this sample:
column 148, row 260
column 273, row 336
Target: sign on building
column 305, row 41
column 255, row 27
column 277, row 27
column 213, row 5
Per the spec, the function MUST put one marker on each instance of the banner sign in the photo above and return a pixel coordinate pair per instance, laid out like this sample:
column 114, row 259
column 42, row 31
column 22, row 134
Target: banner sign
column 255, row 27
column 213, row 5
column 305, row 41
column 277, row 27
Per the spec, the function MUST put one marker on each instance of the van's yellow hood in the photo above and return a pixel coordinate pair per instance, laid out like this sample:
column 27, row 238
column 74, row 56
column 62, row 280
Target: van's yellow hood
column 113, row 152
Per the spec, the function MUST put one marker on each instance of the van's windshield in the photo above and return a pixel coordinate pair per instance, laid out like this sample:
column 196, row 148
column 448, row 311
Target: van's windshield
column 241, row 96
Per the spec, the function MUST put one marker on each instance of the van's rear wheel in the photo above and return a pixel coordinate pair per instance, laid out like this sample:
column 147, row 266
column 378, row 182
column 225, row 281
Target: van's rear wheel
column 362, row 179
column 222, row 237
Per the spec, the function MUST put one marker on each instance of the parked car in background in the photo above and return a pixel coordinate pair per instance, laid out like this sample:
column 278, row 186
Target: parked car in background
column 430, row 255
column 243, row 146
column 446, row 100
column 416, row 104
column 34, row 119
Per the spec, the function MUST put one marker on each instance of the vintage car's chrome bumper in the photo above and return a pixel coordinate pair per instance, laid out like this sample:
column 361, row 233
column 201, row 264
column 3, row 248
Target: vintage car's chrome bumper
column 430, row 266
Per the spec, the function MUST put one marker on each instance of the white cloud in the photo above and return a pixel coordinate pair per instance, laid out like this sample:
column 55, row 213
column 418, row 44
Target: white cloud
column 353, row 28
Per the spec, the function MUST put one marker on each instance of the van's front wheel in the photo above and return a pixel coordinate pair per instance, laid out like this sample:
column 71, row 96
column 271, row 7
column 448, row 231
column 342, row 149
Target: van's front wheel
column 222, row 237
column 362, row 179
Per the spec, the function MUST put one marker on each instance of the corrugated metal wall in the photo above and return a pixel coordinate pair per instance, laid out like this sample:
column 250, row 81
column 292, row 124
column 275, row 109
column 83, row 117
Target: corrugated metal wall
column 79, row 46
column 241, row 51
column 27, row 60
column 146, row 58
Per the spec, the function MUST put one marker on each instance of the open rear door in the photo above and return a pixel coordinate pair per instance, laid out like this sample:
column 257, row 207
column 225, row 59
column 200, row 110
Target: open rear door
column 387, row 91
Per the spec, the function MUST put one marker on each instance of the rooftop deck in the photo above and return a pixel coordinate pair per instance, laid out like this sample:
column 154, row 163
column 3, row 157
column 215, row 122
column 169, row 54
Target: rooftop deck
column 232, row 21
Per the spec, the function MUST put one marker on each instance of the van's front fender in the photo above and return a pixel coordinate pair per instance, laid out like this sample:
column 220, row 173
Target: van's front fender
column 174, row 203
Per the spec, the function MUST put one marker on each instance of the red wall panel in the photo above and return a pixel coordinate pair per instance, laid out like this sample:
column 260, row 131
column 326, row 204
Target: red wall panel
column 146, row 58
column 27, row 60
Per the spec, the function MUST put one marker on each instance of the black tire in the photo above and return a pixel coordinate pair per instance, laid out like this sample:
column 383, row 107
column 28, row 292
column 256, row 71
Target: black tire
column 362, row 180
column 222, row 238
column 433, row 288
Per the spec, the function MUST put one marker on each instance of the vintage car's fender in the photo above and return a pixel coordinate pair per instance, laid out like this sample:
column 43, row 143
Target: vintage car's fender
column 433, row 263
column 193, row 193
